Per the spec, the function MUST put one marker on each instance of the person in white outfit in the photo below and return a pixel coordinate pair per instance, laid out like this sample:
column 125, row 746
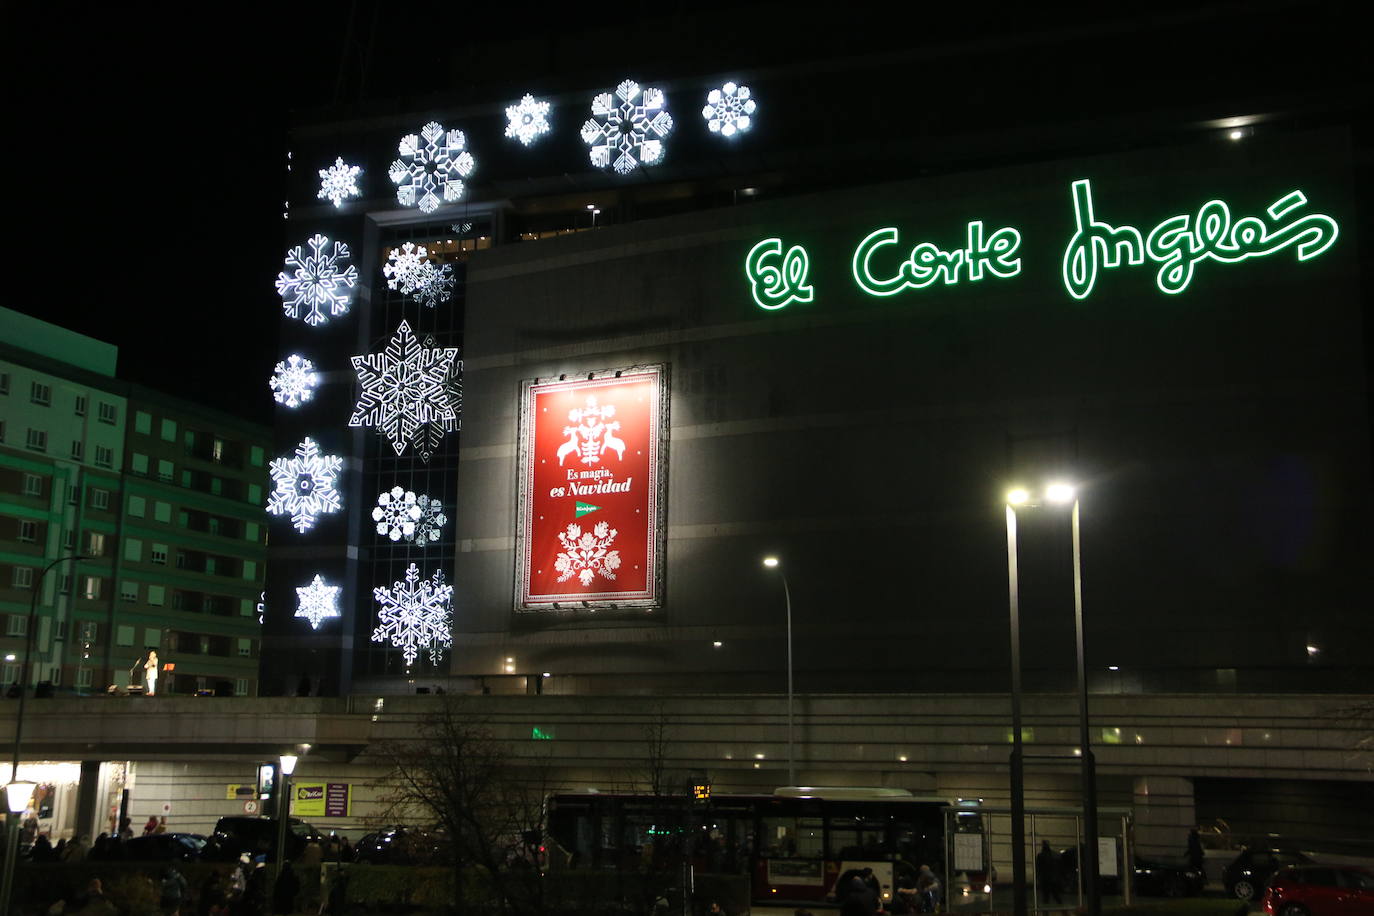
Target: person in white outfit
column 150, row 674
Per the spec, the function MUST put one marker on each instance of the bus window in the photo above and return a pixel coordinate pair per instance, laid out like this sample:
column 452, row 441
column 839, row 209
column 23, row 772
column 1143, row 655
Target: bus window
column 852, row 838
column 792, row 837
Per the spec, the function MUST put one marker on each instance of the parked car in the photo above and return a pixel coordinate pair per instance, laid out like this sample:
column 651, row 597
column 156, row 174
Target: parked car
column 164, row 847
column 257, row 836
column 1321, row 890
column 1250, row 871
column 1149, row 878
column 398, row 846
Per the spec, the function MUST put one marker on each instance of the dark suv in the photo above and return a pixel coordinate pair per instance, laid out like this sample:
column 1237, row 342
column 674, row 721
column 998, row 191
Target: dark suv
column 1247, row 875
column 257, row 836
column 1320, row 890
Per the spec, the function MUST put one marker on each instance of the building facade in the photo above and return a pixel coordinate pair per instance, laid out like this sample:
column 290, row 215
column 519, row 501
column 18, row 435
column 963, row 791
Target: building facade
column 162, row 501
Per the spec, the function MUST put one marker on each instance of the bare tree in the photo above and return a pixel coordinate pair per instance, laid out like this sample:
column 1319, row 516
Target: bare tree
column 652, row 770
column 1359, row 718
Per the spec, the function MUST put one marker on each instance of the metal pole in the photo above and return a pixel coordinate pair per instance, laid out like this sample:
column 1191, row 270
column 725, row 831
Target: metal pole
column 791, row 747
column 1018, row 788
column 11, row 853
column 1090, row 863
column 283, row 812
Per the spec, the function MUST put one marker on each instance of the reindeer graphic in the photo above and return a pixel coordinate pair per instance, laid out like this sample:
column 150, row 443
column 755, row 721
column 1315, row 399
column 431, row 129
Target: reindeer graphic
column 592, row 435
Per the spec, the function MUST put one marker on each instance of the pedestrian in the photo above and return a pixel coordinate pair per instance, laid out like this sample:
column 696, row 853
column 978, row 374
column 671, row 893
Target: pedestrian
column 928, row 890
column 94, row 902
column 41, row 851
column 149, row 827
column 126, row 830
column 1047, row 874
column 345, row 850
column 172, row 891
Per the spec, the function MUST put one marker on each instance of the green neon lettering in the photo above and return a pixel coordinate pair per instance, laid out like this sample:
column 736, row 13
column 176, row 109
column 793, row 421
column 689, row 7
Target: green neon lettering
column 1179, row 242
column 775, row 285
column 928, row 263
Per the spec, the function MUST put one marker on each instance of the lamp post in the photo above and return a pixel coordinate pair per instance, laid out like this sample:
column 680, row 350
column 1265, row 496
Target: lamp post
column 287, row 767
column 774, row 563
column 1018, row 786
column 17, row 798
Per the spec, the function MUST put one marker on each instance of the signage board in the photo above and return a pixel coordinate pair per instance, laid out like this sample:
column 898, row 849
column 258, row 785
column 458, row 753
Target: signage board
column 321, row 799
column 968, row 852
column 593, row 463
column 234, row 791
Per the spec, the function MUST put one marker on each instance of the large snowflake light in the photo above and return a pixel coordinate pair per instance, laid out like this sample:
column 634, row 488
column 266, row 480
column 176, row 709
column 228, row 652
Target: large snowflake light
column 414, row 615
column 317, row 601
column 404, row 387
column 312, row 282
column 432, row 164
column 587, row 554
column 293, row 381
column 528, row 119
column 402, row 514
column 729, row 110
column 409, row 270
column 306, row 485
column 633, row 129
column 339, row 182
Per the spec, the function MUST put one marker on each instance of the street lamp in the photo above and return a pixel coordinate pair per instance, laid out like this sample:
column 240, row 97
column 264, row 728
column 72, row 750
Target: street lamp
column 287, row 767
column 1058, row 493
column 774, row 563
column 17, row 798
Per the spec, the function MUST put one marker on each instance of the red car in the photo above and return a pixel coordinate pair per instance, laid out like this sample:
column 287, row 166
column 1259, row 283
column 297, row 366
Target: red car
column 1321, row 890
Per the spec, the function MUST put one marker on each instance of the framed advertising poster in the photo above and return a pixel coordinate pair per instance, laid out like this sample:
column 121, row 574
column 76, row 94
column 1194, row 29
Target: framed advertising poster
column 593, row 468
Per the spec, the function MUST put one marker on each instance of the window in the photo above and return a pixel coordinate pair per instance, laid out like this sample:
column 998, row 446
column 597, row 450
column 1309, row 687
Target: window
column 100, row 499
column 83, row 677
column 139, row 462
column 38, row 440
column 241, row 687
column 216, row 486
column 33, row 485
column 11, row 673
column 138, row 506
column 250, row 570
column 245, row 647
column 78, row 450
column 255, row 455
column 250, row 531
column 164, row 471
column 17, row 626
column 2, row 430
column 69, row 539
column 90, row 588
column 95, row 544
column 254, row 493
column 80, row 405
column 143, row 423
column 211, row 567
column 55, row 675
column 124, row 636
column 108, row 413
column 133, row 550
column 160, row 554
column 89, row 630
column 40, row 393
column 64, row 582
column 61, row 630
column 204, row 645
column 22, row 577
column 128, row 591
column 169, row 430
column 162, row 511
column 157, row 595
column 152, row 637
column 217, row 451
column 245, row 607
column 104, row 456
column 71, row 494
column 28, row 530
column 181, row 559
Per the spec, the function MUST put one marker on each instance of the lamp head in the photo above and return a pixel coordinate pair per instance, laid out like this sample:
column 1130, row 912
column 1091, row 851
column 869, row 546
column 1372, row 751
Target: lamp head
column 1018, row 496
column 1060, row 492
column 771, row 562
column 18, row 795
column 288, row 763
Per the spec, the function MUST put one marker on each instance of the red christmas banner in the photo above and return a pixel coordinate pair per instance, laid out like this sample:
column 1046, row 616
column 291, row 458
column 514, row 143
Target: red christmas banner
column 592, row 463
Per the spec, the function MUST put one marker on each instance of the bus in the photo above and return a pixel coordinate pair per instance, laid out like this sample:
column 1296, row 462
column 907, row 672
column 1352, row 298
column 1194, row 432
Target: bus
column 794, row 845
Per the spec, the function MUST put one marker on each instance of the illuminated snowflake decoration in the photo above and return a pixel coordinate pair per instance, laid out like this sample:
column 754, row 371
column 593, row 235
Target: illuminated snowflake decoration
column 587, row 554
column 409, row 270
column 404, row 387
column 318, row 281
column 414, row 614
column 293, row 381
column 305, row 485
column 339, row 182
column 432, row 165
column 317, row 602
column 632, row 129
column 729, row 110
column 528, row 120
column 402, row 514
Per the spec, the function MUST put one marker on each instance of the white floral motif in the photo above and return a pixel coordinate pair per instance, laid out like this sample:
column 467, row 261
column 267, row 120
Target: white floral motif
column 305, row 485
column 592, row 435
column 316, row 280
column 634, row 127
column 414, row 615
column 404, row 387
column 729, row 110
column 529, row 119
column 339, row 181
column 317, row 601
column 587, row 554
column 293, row 381
column 435, row 161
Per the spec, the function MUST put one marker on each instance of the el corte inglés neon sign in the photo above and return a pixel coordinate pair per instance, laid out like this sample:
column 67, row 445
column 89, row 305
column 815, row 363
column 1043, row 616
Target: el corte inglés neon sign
column 882, row 266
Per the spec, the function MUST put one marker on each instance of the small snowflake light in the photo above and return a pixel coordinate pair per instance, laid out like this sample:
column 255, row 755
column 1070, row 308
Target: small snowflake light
column 413, row 614
column 339, row 182
column 293, row 381
column 317, row 602
column 408, row 269
column 402, row 514
column 318, row 280
column 528, row 119
column 631, row 130
column 306, row 485
column 432, row 165
column 404, row 387
column 729, row 110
